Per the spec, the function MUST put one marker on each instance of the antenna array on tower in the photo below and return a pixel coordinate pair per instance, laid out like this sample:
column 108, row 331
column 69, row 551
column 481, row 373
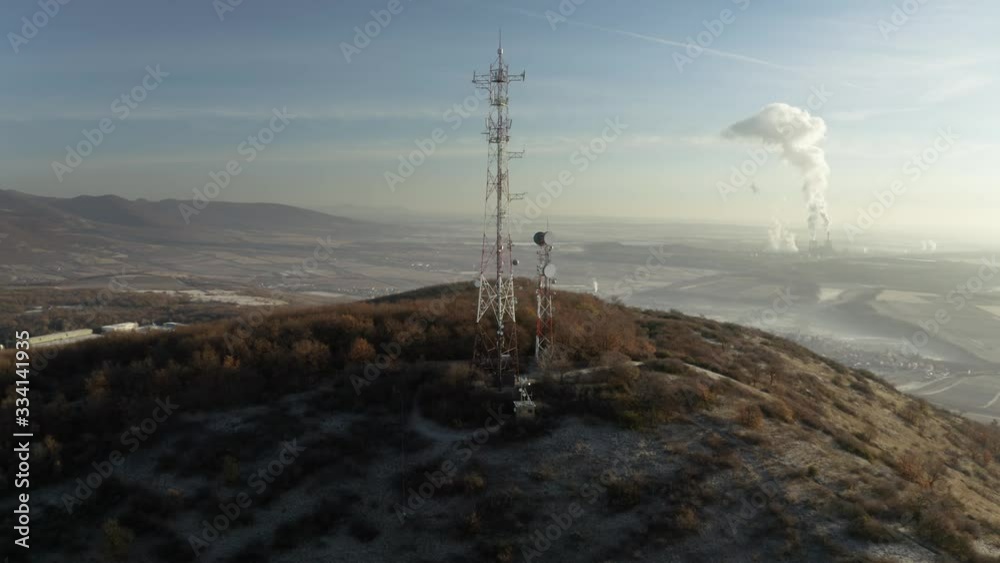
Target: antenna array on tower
column 496, row 322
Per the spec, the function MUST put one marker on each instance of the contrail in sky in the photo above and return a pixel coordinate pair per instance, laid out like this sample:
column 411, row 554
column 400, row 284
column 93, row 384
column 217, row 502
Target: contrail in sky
column 660, row 40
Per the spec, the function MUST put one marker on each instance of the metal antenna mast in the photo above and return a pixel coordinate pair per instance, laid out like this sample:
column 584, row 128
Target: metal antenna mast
column 496, row 335
column 543, row 296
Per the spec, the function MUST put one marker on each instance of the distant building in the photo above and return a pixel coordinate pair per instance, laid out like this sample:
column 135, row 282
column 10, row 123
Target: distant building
column 120, row 327
column 57, row 336
column 62, row 338
column 817, row 250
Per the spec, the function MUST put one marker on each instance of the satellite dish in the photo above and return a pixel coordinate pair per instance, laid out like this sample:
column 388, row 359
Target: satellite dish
column 477, row 283
column 515, row 262
column 544, row 238
column 550, row 270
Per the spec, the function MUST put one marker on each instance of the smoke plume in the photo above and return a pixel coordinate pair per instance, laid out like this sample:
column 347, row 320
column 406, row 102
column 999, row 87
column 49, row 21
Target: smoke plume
column 780, row 239
column 798, row 135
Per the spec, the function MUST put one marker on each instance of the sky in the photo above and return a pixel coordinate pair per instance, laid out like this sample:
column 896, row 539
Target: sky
column 889, row 79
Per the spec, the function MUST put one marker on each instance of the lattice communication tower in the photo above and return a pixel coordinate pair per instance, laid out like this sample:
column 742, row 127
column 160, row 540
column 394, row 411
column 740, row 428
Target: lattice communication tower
column 496, row 320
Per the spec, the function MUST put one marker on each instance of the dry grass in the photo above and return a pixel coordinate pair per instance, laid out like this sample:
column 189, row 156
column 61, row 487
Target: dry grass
column 751, row 416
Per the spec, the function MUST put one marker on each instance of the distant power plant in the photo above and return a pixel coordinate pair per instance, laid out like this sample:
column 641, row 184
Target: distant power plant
column 817, row 250
column 781, row 240
column 799, row 136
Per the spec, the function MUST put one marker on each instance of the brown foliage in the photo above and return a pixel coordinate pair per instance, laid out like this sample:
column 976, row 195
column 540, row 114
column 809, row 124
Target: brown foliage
column 361, row 351
column 778, row 409
column 751, row 417
column 920, row 469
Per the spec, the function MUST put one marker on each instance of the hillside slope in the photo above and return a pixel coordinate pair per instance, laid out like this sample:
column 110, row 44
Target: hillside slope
column 359, row 433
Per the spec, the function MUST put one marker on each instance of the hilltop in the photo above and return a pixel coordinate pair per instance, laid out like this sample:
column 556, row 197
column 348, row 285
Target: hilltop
column 358, row 432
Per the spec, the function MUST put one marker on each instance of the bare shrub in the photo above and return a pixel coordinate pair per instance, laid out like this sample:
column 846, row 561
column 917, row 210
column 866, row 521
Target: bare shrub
column 473, row 482
column 778, row 410
column 915, row 412
column 751, row 417
column 622, row 372
column 867, row 528
column 687, row 519
column 868, row 434
column 458, row 374
column 938, row 525
column 923, row 471
column 117, row 540
column 310, row 355
column 849, row 443
column 625, row 492
column 473, row 523
column 230, row 470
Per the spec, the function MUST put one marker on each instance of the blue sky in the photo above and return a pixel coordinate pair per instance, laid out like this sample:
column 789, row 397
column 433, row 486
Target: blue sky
column 889, row 95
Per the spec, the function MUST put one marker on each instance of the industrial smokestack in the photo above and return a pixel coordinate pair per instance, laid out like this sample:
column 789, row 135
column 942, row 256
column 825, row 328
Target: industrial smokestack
column 798, row 135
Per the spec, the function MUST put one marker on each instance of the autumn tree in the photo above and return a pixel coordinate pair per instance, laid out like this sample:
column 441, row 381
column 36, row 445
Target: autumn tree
column 361, row 351
column 310, row 355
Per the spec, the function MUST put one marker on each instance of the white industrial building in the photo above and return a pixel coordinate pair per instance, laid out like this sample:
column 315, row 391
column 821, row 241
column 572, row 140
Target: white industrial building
column 119, row 327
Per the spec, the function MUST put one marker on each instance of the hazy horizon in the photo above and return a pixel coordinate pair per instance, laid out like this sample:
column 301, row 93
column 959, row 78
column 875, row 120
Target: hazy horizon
column 962, row 240
column 885, row 92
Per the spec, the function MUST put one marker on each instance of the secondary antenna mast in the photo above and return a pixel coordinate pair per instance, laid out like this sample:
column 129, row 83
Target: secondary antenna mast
column 496, row 321
column 543, row 296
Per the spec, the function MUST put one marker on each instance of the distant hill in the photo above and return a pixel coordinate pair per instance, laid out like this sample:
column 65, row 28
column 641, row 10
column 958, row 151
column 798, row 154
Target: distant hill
column 658, row 437
column 380, row 213
column 117, row 211
column 46, row 240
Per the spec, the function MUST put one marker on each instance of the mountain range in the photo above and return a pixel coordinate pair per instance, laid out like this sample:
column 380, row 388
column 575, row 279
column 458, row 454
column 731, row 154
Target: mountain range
column 51, row 239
